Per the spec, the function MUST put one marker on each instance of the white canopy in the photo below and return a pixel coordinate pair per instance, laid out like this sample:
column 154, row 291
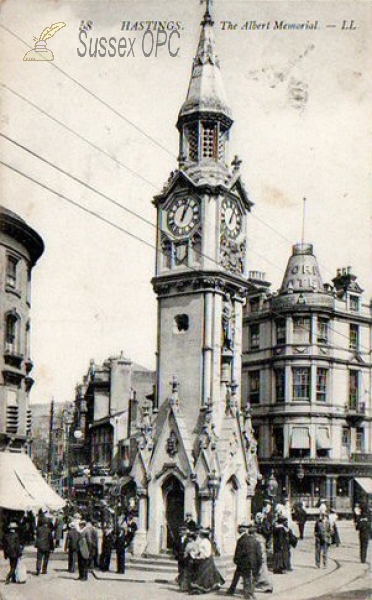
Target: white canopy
column 22, row 487
column 365, row 483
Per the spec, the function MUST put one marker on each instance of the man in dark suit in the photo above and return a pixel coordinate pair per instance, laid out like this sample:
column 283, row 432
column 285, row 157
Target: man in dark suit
column 189, row 522
column 248, row 560
column 44, row 544
column 12, row 550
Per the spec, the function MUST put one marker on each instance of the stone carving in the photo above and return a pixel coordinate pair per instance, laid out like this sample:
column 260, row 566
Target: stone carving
column 172, row 444
column 250, row 447
column 227, row 322
column 145, row 439
column 232, row 254
column 231, row 398
column 208, row 435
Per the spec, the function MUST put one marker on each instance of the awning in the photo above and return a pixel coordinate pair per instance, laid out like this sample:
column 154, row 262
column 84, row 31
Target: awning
column 300, row 438
column 323, row 440
column 22, row 487
column 365, row 483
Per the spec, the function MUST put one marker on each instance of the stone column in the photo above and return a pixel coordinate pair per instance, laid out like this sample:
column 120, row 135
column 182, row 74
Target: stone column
column 205, row 509
column 140, row 539
column 207, row 349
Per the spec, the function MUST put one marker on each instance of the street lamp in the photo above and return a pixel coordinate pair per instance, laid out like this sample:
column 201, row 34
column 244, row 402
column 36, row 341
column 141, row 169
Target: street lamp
column 214, row 482
column 272, row 487
column 68, row 419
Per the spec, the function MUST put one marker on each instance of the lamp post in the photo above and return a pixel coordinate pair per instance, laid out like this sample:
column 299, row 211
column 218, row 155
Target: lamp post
column 68, row 418
column 214, row 482
column 272, row 488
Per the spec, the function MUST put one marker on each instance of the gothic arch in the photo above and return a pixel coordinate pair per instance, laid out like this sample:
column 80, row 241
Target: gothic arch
column 173, row 492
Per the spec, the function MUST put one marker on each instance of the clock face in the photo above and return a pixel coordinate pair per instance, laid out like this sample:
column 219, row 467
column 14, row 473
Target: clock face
column 231, row 218
column 183, row 215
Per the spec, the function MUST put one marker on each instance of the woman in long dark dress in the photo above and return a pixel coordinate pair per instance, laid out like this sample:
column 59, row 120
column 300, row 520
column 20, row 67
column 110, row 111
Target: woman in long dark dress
column 206, row 577
column 280, row 546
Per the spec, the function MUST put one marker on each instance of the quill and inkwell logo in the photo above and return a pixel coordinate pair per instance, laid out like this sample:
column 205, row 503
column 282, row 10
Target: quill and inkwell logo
column 41, row 52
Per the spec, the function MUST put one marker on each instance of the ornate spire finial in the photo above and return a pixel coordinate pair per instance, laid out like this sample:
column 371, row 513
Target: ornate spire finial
column 207, row 19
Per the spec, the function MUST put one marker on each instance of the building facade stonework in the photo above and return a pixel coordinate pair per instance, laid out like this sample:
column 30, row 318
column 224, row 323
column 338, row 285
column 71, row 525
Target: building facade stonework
column 20, row 248
column 196, row 450
column 307, row 376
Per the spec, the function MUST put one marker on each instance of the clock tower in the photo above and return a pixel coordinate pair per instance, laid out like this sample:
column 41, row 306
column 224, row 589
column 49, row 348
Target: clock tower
column 202, row 456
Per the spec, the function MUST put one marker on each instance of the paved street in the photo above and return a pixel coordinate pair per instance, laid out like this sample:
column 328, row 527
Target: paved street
column 344, row 579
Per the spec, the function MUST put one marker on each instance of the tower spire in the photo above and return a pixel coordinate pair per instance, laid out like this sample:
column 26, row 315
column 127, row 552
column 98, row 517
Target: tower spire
column 205, row 117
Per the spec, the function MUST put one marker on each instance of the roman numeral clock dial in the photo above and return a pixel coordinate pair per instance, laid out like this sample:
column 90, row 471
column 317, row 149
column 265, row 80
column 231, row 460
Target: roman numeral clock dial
column 183, row 215
column 231, row 218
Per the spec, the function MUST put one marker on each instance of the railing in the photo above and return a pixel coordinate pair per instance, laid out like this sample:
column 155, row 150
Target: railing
column 361, row 457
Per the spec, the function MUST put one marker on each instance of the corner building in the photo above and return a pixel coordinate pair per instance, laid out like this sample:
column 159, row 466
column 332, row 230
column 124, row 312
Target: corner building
column 307, row 377
column 196, row 451
column 20, row 248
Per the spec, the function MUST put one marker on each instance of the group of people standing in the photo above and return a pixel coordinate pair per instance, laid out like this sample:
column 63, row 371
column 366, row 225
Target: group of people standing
column 82, row 545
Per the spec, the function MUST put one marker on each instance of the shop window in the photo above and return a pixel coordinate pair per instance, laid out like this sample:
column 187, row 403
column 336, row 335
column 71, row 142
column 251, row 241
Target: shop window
column 359, row 447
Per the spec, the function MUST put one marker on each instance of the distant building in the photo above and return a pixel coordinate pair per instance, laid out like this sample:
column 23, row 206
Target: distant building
column 105, row 410
column 307, row 378
column 48, row 432
column 20, row 249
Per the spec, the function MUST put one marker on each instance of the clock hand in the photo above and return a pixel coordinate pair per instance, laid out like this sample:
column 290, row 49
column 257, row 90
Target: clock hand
column 231, row 218
column 184, row 213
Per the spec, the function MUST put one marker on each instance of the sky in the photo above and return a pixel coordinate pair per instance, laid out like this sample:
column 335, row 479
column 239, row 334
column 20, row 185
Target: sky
column 302, row 127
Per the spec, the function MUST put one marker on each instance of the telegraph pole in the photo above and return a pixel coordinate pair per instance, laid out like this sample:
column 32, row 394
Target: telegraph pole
column 50, row 445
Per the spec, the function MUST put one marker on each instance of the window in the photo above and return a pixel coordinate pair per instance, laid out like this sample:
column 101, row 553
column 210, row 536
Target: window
column 209, row 140
column 280, row 385
column 11, row 272
column 301, row 330
column 359, row 439
column 354, row 337
column 323, row 328
column 254, row 387
column 281, row 336
column 301, row 383
column 192, row 138
column 11, row 333
column 254, row 336
column 353, row 389
column 321, row 384
column 254, row 305
column 346, row 437
column 278, row 441
column 181, row 323
column 354, row 304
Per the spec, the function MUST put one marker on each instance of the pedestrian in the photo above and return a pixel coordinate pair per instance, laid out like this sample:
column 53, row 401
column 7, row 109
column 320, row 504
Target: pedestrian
column 83, row 553
column 335, row 536
column 248, row 560
column 92, row 539
column 280, row 546
column 131, row 528
column 71, row 546
column 44, row 544
column 322, row 532
column 189, row 522
column 120, row 546
column 58, row 529
column 290, row 542
column 206, row 577
column 182, row 559
column 300, row 516
column 263, row 583
column 108, row 541
column 12, row 550
column 364, row 528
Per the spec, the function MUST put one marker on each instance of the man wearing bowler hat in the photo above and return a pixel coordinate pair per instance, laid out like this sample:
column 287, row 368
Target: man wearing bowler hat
column 248, row 560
